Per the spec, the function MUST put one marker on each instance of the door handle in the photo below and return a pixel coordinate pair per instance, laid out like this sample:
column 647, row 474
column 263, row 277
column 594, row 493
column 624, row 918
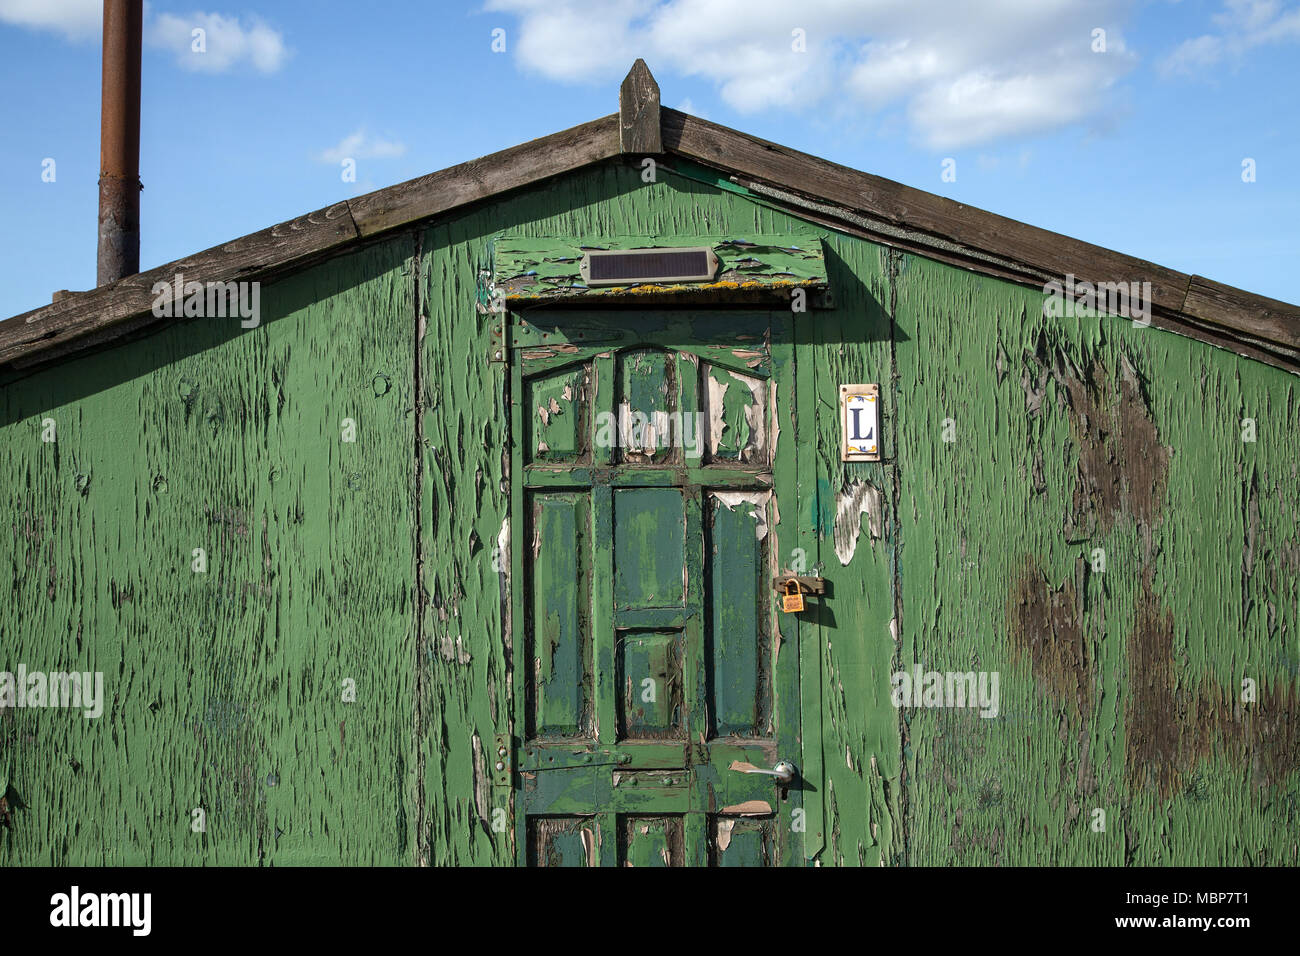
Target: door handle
column 783, row 773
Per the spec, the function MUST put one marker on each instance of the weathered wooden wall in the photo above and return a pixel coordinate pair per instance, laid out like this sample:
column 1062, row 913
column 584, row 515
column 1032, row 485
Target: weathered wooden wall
column 224, row 689
column 1118, row 688
column 1121, row 689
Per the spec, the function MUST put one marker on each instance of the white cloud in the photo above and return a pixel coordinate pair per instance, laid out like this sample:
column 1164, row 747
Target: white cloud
column 980, row 107
column 361, row 145
column 1248, row 15
column 590, row 37
column 75, row 19
column 888, row 71
column 1194, row 55
column 688, row 106
column 959, row 72
column 227, row 43
column 1244, row 25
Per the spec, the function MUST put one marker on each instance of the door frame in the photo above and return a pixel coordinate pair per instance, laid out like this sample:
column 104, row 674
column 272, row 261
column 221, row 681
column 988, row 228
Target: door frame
column 798, row 816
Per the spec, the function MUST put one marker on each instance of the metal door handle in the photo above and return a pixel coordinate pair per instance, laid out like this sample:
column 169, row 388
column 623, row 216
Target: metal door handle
column 783, row 773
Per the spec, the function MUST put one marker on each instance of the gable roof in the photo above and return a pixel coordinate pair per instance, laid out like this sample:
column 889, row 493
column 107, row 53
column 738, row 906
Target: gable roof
column 810, row 188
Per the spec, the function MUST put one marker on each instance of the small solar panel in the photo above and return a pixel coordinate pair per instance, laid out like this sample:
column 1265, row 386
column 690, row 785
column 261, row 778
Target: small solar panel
column 631, row 266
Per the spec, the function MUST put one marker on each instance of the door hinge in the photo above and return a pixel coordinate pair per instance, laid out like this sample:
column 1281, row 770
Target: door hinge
column 556, row 758
column 498, row 345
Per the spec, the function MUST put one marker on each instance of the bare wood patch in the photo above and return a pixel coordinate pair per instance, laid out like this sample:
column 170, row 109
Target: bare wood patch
column 1047, row 630
column 856, row 499
column 750, row 808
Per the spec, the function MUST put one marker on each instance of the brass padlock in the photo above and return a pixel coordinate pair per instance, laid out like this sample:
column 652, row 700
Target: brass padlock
column 792, row 600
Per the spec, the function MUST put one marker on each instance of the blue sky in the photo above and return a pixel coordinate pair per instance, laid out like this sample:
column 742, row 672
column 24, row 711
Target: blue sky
column 1138, row 147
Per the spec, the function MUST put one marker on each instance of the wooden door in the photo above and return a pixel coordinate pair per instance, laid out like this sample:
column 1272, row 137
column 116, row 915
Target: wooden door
column 653, row 472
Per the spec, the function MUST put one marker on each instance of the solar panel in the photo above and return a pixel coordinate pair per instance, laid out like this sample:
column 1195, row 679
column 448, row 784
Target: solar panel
column 631, row 266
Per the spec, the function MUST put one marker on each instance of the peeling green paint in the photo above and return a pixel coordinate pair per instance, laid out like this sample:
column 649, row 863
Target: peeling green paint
column 400, row 562
column 1121, row 688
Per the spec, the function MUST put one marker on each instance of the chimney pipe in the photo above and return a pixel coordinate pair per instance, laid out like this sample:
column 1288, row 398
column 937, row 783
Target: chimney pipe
column 119, row 143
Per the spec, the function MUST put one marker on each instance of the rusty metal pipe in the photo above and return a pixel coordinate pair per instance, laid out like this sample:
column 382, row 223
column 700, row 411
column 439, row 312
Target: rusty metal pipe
column 119, row 143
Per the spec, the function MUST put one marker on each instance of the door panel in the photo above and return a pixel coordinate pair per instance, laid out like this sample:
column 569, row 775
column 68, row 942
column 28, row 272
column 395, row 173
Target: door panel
column 653, row 841
column 561, row 694
column 738, row 405
column 648, row 386
column 740, row 841
column 558, row 430
column 739, row 646
column 649, row 480
column 660, row 658
column 563, row 841
column 649, row 548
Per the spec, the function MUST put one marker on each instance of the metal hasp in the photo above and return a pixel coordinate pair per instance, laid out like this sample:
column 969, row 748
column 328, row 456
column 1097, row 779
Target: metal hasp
column 807, row 584
column 119, row 143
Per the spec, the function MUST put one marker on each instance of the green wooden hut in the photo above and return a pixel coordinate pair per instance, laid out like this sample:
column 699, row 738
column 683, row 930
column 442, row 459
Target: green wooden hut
column 456, row 523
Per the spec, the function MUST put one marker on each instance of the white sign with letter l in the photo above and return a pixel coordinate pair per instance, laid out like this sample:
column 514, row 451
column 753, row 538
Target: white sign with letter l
column 859, row 423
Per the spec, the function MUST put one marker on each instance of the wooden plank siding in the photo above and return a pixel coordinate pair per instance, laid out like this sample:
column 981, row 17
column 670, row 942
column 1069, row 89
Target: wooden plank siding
column 224, row 689
column 387, row 561
column 1121, row 689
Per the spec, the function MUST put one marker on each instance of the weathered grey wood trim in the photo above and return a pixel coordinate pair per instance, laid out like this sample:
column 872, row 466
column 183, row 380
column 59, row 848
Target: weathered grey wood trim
column 1256, row 315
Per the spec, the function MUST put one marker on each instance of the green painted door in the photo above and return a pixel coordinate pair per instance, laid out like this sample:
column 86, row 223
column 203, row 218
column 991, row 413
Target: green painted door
column 653, row 464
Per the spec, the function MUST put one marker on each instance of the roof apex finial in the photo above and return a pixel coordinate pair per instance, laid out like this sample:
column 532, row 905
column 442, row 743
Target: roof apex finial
column 638, row 111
